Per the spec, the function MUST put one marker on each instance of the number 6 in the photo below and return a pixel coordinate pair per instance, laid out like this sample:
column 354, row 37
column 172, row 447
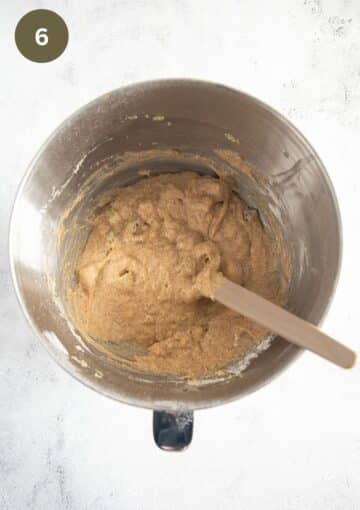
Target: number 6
column 41, row 36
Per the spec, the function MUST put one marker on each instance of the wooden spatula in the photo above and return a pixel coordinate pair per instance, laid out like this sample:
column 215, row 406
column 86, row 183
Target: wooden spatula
column 284, row 323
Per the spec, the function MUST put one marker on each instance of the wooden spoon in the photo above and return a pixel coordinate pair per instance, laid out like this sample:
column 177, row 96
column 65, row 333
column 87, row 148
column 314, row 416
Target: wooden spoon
column 284, row 323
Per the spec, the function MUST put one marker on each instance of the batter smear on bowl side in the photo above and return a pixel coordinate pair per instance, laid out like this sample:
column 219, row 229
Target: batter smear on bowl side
column 152, row 261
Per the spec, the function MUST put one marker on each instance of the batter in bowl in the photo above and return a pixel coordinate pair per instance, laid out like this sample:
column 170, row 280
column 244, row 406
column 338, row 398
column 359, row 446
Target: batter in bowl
column 152, row 261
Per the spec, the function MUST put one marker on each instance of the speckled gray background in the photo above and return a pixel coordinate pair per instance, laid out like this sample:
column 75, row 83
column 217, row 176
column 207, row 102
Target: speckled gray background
column 294, row 445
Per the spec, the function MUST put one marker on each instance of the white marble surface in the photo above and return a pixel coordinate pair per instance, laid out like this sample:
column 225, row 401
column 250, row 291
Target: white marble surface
column 295, row 444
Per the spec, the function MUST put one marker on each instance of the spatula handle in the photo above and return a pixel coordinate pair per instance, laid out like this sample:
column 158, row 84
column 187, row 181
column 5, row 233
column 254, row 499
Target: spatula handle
column 284, row 323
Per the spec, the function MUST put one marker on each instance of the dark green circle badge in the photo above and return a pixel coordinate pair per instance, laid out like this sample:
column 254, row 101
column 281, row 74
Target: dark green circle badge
column 41, row 35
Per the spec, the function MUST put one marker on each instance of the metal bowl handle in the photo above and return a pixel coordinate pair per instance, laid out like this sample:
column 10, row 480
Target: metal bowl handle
column 173, row 431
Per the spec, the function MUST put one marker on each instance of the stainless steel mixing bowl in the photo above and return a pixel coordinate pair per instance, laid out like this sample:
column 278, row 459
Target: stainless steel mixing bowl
column 193, row 120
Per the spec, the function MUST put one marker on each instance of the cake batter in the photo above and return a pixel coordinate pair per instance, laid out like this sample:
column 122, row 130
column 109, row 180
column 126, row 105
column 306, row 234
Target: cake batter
column 150, row 266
